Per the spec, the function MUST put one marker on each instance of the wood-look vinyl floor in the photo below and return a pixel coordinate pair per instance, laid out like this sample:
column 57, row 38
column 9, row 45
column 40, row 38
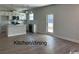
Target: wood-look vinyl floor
column 54, row 45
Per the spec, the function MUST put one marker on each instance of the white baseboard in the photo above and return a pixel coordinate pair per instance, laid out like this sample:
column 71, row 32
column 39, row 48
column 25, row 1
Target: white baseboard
column 40, row 32
column 66, row 38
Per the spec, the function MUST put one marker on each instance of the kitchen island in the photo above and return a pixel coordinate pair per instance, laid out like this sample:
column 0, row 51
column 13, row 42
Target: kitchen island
column 14, row 30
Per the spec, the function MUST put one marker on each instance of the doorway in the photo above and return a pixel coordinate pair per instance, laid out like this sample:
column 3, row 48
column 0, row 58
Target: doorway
column 50, row 23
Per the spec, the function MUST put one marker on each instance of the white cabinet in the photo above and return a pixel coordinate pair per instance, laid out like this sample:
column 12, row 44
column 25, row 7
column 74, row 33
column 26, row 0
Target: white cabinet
column 19, row 30
column 3, row 13
column 22, row 16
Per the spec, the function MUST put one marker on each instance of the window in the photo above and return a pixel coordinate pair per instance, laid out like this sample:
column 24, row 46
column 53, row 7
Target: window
column 31, row 16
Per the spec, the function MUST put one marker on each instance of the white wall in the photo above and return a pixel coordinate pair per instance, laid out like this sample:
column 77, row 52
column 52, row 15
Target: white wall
column 66, row 20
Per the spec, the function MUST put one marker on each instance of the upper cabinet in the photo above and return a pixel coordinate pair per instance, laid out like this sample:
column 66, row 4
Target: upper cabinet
column 22, row 16
column 4, row 13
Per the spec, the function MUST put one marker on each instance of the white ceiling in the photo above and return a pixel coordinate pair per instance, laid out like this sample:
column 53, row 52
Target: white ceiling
column 19, row 6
